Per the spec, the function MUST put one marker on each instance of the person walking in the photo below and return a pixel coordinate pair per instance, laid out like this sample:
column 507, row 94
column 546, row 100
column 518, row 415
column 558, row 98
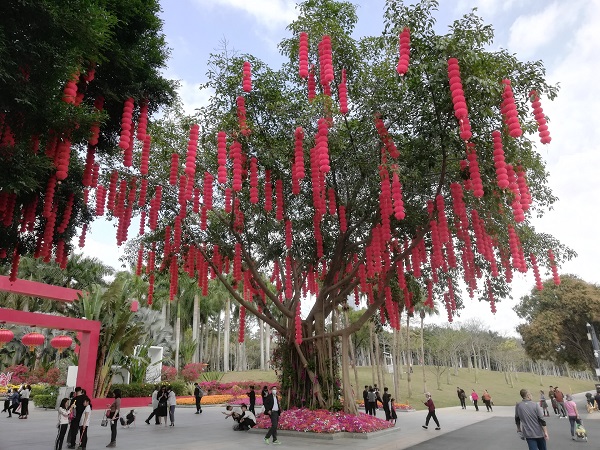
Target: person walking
column 366, row 399
column 461, row 397
column 475, row 398
column 573, row 414
column 530, row 422
column 63, row 423
column 251, row 399
column 487, row 400
column 544, row 403
column 154, row 408
column 560, row 400
column 393, row 415
column 431, row 413
column 272, row 409
column 171, row 403
column 7, row 404
column 198, row 397
column 114, row 412
column 24, row 393
column 386, row 403
column 14, row 403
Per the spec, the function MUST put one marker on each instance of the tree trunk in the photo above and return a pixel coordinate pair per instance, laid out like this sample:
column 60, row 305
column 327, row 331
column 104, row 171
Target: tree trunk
column 423, row 354
column 349, row 395
column 268, row 342
column 195, row 329
column 395, row 352
column 371, row 356
column 380, row 377
column 226, row 331
column 261, row 336
column 409, row 370
column 177, row 333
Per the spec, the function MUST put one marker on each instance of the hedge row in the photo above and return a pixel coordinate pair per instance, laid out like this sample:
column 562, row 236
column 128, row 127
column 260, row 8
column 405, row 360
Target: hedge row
column 45, row 401
column 146, row 389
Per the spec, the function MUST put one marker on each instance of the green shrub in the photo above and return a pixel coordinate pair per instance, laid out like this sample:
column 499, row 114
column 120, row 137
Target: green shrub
column 146, row 389
column 213, row 376
column 45, row 401
column 43, row 389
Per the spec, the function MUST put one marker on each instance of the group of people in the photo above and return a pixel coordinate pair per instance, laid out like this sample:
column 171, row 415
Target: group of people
column 74, row 414
column 164, row 401
column 371, row 397
column 485, row 397
column 17, row 401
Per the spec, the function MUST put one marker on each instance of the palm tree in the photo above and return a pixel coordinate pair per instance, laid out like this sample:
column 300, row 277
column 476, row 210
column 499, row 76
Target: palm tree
column 120, row 332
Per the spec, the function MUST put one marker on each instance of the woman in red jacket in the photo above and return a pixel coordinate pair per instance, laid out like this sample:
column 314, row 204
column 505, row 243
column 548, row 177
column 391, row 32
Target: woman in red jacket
column 431, row 414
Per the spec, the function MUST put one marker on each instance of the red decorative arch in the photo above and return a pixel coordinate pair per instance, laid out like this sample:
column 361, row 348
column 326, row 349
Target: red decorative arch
column 88, row 331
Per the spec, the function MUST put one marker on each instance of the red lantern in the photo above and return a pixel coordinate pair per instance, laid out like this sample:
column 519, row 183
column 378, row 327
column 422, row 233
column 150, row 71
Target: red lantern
column 134, row 306
column 174, row 169
column 247, row 77
column 312, row 88
column 5, row 336
column 143, row 121
column 32, row 340
column 540, row 118
column 458, row 99
column 509, row 111
column 499, row 162
column 303, row 55
column 126, row 119
column 61, row 342
column 474, row 171
column 404, row 52
column 145, row 157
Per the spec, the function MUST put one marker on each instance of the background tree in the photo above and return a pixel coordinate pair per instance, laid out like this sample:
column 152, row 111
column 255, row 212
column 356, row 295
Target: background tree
column 556, row 318
column 105, row 52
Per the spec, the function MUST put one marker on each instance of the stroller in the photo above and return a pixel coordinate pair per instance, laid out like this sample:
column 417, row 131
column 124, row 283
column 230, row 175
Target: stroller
column 580, row 433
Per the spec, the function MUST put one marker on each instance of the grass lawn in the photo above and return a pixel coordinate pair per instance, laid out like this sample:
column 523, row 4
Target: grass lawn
column 494, row 382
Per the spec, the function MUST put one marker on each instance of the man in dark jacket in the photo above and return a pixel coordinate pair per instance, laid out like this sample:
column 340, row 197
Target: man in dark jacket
column 272, row 409
column 386, row 403
column 366, row 399
column 198, row 396
column 78, row 406
column 462, row 396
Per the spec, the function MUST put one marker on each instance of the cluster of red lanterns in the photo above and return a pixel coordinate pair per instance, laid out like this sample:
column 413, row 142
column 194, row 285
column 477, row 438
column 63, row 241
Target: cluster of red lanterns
column 126, row 121
column 303, row 55
column 513, row 185
column 63, row 156
column 298, row 165
column 247, row 77
column 325, row 64
column 499, row 162
column 322, row 145
column 70, row 90
column 222, row 157
column 509, row 110
column 386, row 138
column 458, row 99
column 553, row 267
column 404, row 52
column 235, row 153
column 241, row 113
column 312, row 84
column 540, row 118
column 474, row 173
column 343, row 92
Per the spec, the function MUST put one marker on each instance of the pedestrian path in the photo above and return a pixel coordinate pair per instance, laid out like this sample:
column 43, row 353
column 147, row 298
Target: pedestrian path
column 461, row 429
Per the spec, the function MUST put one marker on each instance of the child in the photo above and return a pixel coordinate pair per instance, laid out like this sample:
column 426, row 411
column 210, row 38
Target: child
column 393, row 415
column 129, row 419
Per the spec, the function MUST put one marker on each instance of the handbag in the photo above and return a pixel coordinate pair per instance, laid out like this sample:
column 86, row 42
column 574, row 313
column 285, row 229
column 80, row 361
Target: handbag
column 104, row 422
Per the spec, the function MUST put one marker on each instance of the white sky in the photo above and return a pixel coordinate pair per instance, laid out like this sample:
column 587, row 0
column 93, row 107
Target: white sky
column 565, row 35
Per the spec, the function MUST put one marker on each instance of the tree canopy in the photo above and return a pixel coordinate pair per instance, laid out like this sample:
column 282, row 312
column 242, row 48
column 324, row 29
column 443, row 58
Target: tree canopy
column 384, row 171
column 556, row 319
column 66, row 68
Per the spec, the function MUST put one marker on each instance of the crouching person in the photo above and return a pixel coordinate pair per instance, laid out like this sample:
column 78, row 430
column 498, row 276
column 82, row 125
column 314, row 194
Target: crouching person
column 247, row 419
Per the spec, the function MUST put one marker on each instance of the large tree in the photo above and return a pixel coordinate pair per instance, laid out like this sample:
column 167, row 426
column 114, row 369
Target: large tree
column 338, row 224
column 555, row 321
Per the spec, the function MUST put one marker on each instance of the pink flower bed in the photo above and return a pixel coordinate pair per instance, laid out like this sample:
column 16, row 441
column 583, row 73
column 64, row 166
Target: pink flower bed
column 323, row 421
column 398, row 406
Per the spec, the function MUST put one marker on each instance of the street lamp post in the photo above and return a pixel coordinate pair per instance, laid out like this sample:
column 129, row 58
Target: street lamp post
column 595, row 345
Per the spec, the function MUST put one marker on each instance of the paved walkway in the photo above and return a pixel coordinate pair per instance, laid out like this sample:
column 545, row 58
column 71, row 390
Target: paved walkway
column 461, row 429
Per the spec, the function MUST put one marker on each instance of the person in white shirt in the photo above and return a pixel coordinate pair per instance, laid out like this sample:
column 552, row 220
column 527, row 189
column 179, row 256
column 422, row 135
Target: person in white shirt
column 84, row 423
column 247, row 419
column 63, row 423
column 171, row 402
